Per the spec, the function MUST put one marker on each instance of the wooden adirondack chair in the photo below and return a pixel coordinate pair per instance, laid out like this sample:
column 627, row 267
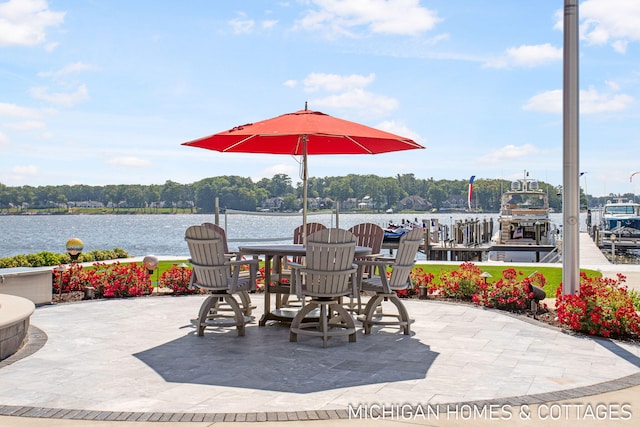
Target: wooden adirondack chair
column 245, row 298
column 212, row 271
column 284, row 274
column 328, row 275
column 369, row 235
column 385, row 286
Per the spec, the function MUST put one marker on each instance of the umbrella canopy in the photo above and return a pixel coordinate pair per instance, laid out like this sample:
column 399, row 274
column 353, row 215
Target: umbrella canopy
column 302, row 133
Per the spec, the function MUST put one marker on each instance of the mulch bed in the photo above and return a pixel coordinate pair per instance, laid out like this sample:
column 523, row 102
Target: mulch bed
column 68, row 297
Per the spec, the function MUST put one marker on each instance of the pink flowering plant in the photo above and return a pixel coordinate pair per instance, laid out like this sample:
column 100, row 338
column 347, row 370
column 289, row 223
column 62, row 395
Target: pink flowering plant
column 177, row 279
column 122, row 280
column 109, row 280
column 71, row 279
column 603, row 306
column 461, row 283
column 419, row 279
column 511, row 292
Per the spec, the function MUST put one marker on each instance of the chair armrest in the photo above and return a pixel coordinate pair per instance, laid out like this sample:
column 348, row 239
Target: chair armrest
column 295, row 266
column 244, row 262
column 374, row 256
column 296, row 279
column 383, row 257
column 377, row 262
column 253, row 271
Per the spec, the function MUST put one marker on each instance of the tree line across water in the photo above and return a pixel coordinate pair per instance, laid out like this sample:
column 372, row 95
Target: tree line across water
column 352, row 192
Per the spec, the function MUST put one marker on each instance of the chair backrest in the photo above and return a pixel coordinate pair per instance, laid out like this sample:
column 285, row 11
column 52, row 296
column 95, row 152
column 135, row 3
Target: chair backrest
column 299, row 235
column 369, row 235
column 405, row 258
column 207, row 257
column 312, row 227
column 221, row 232
column 329, row 263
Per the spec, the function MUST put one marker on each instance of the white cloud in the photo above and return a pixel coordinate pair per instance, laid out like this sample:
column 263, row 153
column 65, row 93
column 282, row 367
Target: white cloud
column 25, row 22
column 508, row 152
column 400, row 129
column 4, row 140
column 241, row 24
column 76, row 67
column 288, row 169
column 27, row 125
column 527, row 56
column 346, row 93
column 613, row 22
column 403, row 17
column 591, row 101
column 22, row 171
column 269, row 23
column 546, row 102
column 129, row 162
column 13, row 110
column 291, row 83
column 335, row 82
column 367, row 104
column 63, row 99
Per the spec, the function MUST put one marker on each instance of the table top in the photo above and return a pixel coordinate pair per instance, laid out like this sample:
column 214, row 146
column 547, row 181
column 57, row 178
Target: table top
column 288, row 249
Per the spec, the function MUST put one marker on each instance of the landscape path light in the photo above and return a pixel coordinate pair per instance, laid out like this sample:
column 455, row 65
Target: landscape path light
column 150, row 262
column 183, row 267
column 74, row 248
column 60, row 269
column 485, row 275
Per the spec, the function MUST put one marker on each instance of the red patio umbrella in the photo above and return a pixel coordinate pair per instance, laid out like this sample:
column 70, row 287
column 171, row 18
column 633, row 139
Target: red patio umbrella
column 302, row 133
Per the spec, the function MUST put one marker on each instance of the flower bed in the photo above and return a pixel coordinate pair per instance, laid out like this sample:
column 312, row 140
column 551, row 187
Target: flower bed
column 602, row 306
column 107, row 280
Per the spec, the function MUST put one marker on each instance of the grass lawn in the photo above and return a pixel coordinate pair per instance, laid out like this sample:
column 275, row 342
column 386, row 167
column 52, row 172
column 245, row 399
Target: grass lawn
column 552, row 274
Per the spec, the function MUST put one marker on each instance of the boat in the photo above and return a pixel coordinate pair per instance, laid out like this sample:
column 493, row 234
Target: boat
column 525, row 233
column 393, row 232
column 621, row 217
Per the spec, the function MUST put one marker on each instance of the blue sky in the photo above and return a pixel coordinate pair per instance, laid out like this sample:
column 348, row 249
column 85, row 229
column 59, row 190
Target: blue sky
column 104, row 92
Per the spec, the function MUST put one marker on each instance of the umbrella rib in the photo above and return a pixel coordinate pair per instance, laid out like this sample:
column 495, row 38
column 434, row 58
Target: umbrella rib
column 234, row 145
column 359, row 145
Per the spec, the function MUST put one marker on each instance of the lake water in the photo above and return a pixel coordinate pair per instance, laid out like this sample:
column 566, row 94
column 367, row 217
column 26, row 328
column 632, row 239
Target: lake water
column 141, row 235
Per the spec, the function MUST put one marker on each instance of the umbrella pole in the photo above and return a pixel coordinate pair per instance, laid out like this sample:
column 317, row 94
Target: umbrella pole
column 305, row 177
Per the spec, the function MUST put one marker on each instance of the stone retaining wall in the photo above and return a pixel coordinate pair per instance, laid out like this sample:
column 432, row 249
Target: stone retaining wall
column 15, row 314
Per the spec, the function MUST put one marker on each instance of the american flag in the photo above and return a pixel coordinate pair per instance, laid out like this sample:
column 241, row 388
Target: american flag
column 471, row 189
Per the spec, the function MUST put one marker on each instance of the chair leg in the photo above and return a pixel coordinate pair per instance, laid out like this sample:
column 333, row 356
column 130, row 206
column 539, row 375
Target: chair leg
column 246, row 302
column 205, row 308
column 403, row 314
column 347, row 319
column 297, row 321
column 369, row 311
column 323, row 325
column 209, row 312
column 238, row 313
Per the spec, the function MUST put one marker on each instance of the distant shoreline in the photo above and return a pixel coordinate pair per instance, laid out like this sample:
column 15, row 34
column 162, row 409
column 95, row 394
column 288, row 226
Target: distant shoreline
column 97, row 211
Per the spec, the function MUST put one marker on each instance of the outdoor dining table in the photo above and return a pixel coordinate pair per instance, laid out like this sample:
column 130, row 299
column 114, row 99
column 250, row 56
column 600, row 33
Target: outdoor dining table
column 275, row 254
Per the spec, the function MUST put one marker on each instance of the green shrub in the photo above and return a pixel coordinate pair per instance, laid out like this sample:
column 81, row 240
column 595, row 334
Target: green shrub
column 49, row 259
